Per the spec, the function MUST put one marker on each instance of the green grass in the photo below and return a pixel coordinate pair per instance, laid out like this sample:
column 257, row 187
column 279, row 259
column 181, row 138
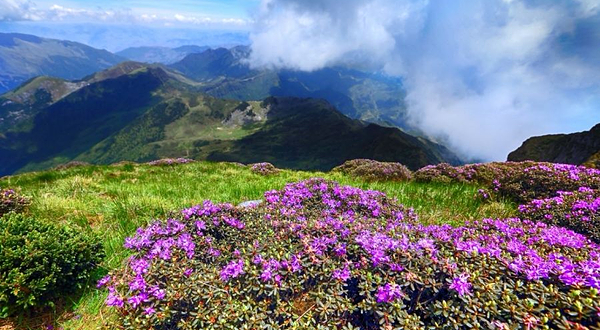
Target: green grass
column 113, row 201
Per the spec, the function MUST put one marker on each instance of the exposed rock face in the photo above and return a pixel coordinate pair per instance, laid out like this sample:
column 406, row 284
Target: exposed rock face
column 577, row 148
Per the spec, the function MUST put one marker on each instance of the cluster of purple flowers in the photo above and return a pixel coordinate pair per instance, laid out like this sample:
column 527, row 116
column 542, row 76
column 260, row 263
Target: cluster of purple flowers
column 264, row 168
column 577, row 210
column 372, row 170
column 170, row 161
column 317, row 235
column 11, row 201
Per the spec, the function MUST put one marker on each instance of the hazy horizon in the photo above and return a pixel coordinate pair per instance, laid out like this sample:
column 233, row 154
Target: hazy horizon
column 482, row 76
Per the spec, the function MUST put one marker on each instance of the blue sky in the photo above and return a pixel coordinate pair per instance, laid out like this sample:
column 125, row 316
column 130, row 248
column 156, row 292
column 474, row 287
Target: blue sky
column 118, row 24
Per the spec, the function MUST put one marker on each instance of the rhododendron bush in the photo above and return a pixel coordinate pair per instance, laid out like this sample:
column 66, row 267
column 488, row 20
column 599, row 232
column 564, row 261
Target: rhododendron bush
column 264, row 169
column 520, row 181
column 319, row 255
column 577, row 210
column 11, row 201
column 372, row 170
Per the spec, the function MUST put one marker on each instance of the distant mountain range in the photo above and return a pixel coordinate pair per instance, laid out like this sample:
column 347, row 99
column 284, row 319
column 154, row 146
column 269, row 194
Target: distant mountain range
column 139, row 112
column 23, row 57
column 578, row 148
column 162, row 55
column 225, row 73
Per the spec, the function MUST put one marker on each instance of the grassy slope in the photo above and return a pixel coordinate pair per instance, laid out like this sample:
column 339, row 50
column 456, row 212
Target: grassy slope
column 114, row 200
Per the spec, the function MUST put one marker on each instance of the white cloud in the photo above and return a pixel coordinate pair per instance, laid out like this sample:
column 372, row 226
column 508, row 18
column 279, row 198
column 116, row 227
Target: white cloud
column 17, row 10
column 483, row 74
column 25, row 10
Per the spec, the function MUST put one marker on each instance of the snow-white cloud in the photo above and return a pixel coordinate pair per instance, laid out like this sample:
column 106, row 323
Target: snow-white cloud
column 482, row 74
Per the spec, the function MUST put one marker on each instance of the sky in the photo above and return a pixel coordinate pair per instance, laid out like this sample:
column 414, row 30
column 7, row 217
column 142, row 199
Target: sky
column 480, row 75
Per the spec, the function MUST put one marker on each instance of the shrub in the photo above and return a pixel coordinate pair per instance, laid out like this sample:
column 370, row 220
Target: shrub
column 544, row 180
column 10, row 201
column 483, row 174
column 170, row 161
column 372, row 170
column 443, row 173
column 519, row 181
column 319, row 255
column 575, row 210
column 40, row 262
column 71, row 164
column 264, row 169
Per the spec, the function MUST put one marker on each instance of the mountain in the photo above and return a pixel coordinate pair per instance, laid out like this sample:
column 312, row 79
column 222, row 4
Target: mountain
column 142, row 112
column 216, row 63
column 577, row 148
column 20, row 105
column 225, row 73
column 312, row 134
column 23, row 57
column 162, row 55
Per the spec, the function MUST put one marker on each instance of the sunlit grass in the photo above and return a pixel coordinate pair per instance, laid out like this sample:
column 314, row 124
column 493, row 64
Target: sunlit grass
column 113, row 201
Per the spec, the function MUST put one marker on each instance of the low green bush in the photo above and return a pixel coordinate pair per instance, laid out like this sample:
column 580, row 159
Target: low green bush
column 372, row 170
column 40, row 262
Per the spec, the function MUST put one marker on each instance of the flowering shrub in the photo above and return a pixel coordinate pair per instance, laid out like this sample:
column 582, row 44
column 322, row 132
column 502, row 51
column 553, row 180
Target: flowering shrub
column 519, row 181
column 71, row 164
column 319, row 255
column 375, row 171
column 10, row 201
column 545, row 180
column 575, row 210
column 170, row 161
column 264, row 169
column 40, row 262
column 483, row 174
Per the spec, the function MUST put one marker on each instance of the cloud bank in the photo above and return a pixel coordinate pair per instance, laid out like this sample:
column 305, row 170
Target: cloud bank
column 25, row 10
column 482, row 75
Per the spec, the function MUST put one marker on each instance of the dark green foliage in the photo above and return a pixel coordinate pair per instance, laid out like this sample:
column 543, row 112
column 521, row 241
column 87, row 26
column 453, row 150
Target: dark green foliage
column 41, row 262
column 11, row 201
column 372, row 170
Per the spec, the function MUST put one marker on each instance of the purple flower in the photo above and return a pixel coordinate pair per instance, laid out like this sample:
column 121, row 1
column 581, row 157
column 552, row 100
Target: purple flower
column 103, row 281
column 461, row 284
column 149, row 310
column 113, row 299
column 157, row 292
column 138, row 284
column 343, row 274
column 137, row 300
column 232, row 270
column 389, row 293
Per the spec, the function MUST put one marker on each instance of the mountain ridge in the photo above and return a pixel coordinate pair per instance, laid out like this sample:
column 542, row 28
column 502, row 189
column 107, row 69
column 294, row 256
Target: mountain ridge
column 23, row 57
column 582, row 148
column 142, row 112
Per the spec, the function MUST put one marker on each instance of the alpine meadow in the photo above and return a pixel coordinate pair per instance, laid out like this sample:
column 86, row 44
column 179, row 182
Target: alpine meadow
column 288, row 164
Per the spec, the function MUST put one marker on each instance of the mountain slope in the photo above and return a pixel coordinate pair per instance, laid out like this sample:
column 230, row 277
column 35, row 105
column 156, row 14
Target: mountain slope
column 162, row 55
column 80, row 120
column 576, row 148
column 142, row 112
column 370, row 97
column 25, row 56
column 311, row 134
column 20, row 105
